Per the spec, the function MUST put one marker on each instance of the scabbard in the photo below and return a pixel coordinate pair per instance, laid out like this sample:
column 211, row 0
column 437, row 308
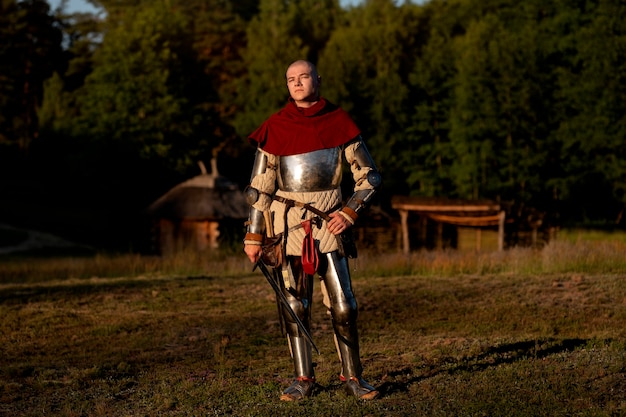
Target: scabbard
column 279, row 305
column 285, row 303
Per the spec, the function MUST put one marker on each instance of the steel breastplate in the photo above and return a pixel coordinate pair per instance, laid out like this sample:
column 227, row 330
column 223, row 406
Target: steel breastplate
column 311, row 171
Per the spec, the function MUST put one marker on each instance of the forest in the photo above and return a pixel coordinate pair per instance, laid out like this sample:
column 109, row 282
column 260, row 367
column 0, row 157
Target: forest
column 518, row 102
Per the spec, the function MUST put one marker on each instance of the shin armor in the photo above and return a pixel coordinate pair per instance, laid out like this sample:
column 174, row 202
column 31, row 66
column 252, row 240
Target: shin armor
column 343, row 309
column 300, row 302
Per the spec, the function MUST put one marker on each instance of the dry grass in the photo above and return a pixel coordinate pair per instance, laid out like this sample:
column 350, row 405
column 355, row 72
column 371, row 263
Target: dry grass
column 568, row 255
column 557, row 257
column 519, row 333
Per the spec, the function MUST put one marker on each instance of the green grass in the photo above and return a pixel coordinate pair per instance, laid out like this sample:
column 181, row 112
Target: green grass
column 591, row 235
column 521, row 333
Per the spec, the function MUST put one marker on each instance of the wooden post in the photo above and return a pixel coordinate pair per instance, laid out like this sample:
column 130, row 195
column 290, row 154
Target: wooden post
column 423, row 231
column 439, row 235
column 399, row 238
column 404, row 216
column 501, row 231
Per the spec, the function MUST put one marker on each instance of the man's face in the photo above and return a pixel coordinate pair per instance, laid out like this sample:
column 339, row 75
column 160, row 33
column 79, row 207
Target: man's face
column 302, row 84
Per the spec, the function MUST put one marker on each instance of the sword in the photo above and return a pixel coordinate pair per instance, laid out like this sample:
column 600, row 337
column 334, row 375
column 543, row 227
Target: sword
column 283, row 299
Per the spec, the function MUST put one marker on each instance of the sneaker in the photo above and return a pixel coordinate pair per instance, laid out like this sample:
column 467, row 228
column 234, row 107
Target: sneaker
column 300, row 388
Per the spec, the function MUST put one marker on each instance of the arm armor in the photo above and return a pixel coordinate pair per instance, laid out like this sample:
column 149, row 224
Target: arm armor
column 366, row 176
column 256, row 221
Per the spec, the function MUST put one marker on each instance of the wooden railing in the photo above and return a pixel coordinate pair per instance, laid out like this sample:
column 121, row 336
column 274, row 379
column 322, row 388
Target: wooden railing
column 480, row 213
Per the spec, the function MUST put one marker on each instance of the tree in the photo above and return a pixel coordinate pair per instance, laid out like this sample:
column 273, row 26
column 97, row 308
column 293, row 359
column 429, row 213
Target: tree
column 521, row 102
column 482, row 90
column 30, row 50
column 498, row 124
column 282, row 32
column 426, row 154
column 366, row 65
column 593, row 128
column 82, row 36
column 134, row 98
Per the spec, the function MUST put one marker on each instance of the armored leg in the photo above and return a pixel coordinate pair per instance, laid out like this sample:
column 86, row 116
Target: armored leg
column 300, row 348
column 343, row 310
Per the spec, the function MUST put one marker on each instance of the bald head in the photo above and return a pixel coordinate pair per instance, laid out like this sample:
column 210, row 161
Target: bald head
column 302, row 62
column 303, row 83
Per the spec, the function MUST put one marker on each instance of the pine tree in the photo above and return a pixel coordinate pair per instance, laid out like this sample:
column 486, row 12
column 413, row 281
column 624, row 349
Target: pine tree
column 30, row 50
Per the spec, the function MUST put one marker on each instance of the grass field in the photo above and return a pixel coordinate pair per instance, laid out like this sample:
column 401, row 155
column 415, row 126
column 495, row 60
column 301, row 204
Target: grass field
column 519, row 333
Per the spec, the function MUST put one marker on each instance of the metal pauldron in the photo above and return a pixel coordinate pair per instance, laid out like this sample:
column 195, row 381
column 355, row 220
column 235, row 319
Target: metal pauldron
column 311, row 171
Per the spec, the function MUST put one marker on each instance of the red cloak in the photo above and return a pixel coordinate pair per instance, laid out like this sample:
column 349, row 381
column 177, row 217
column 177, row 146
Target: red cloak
column 295, row 130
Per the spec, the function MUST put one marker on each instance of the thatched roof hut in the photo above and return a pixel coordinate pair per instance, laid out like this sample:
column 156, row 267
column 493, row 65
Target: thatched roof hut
column 191, row 214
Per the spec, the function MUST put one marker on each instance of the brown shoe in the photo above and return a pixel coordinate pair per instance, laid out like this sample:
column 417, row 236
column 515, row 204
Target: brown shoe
column 300, row 388
column 360, row 389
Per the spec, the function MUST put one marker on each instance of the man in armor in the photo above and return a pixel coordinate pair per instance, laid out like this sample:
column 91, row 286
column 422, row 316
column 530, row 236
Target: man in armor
column 295, row 196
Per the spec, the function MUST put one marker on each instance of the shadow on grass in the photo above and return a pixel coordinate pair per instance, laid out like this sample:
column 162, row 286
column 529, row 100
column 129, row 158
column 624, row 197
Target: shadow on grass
column 20, row 294
column 491, row 358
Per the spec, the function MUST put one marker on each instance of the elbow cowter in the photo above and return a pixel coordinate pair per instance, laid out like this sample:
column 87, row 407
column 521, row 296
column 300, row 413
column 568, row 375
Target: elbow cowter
column 366, row 176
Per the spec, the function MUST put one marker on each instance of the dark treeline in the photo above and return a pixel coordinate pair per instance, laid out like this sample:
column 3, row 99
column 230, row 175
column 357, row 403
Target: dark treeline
column 520, row 102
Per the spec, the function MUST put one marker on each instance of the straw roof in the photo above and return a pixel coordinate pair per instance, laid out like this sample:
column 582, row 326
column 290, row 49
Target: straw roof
column 204, row 197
